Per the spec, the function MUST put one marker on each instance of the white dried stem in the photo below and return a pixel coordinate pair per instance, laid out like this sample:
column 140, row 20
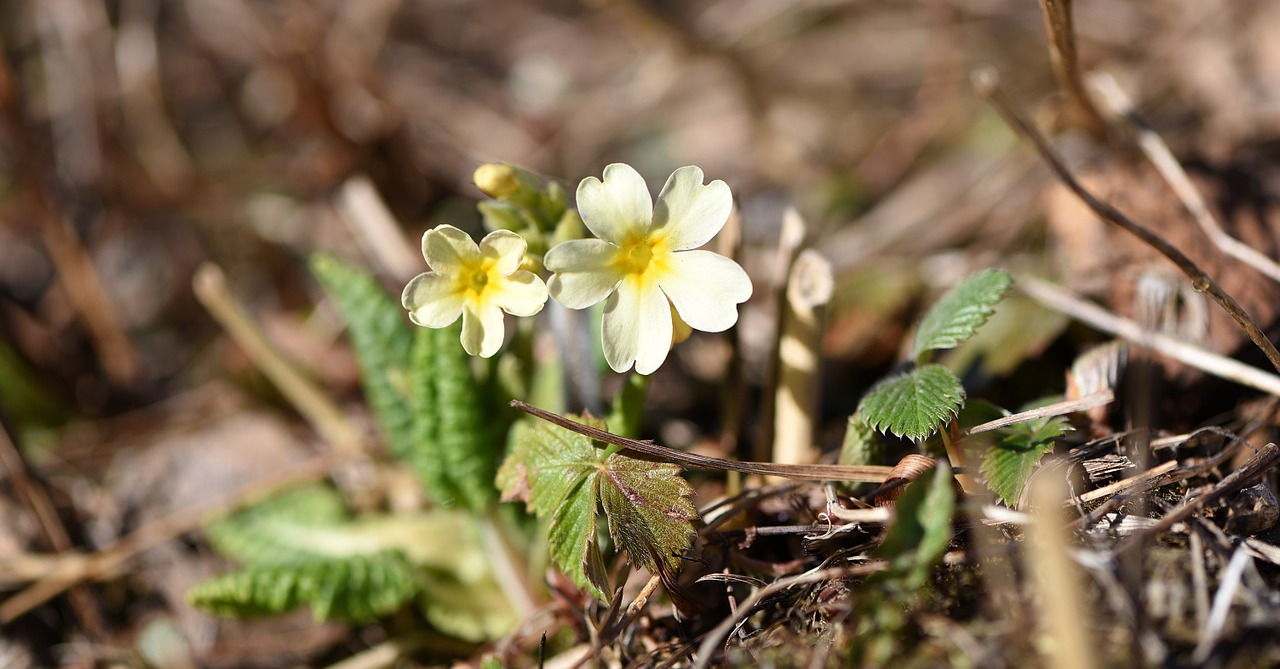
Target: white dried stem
column 799, row 351
column 1193, row 356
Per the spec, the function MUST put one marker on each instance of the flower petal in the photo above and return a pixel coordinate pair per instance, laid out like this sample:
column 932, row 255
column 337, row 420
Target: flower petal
column 482, row 330
column 433, row 300
column 617, row 208
column 690, row 212
column 447, row 248
column 637, row 327
column 521, row 294
column 705, row 289
column 506, row 247
column 584, row 272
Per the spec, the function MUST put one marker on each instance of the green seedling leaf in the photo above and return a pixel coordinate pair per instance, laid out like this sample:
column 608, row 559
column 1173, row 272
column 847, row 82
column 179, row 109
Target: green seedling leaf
column 1009, row 463
column 382, row 342
column 960, row 312
column 355, row 588
column 915, row 403
column 563, row 476
column 921, row 529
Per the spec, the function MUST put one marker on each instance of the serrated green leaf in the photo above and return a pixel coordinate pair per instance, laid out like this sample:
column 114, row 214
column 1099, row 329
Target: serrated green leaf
column 915, row 403
column 355, row 588
column 564, row 477
column 921, row 530
column 1009, row 463
column 958, row 314
column 382, row 342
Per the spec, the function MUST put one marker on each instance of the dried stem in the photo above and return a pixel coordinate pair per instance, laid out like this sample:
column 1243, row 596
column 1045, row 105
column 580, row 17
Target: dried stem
column 1193, row 356
column 1062, row 610
column 987, row 82
column 855, row 474
column 31, row 492
column 74, row 569
column 327, row 419
column 797, row 396
column 1060, row 26
column 1156, row 151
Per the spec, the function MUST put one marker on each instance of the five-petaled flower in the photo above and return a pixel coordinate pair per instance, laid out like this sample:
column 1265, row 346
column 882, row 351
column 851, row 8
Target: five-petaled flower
column 643, row 263
column 478, row 282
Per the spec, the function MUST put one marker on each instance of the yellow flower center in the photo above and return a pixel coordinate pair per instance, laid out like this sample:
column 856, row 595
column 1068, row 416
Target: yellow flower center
column 476, row 277
column 636, row 256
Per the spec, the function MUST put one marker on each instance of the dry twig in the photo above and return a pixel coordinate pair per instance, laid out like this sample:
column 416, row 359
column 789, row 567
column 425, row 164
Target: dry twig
column 987, row 83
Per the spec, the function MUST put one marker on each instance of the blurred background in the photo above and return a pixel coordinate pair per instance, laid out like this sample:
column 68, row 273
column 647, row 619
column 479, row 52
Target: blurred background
column 141, row 138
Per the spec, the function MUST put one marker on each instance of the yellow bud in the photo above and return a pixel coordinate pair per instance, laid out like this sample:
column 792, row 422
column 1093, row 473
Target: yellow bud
column 496, row 179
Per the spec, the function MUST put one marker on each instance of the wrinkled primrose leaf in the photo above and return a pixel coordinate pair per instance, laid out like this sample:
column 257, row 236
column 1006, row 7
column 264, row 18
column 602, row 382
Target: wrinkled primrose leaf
column 562, row 475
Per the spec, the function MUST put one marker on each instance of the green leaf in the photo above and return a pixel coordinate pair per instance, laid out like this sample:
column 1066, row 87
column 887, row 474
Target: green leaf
column 561, row 475
column 279, row 530
column 464, row 442
column 861, row 444
column 958, row 314
column 628, row 406
column 1010, row 461
column 382, row 342
column 296, row 546
column 921, row 530
column 915, row 403
column 356, row 588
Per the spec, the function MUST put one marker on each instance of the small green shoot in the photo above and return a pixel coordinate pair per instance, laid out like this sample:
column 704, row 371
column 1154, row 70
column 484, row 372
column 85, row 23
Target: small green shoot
column 916, row 403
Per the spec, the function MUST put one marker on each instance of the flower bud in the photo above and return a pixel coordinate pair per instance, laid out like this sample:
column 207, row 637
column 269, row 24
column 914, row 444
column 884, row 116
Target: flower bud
column 496, row 179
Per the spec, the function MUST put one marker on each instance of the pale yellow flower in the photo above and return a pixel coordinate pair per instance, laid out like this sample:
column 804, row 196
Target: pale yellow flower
column 643, row 264
column 476, row 282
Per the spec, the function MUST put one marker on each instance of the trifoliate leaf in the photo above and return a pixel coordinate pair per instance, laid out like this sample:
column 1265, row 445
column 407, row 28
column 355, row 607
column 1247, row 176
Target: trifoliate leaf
column 915, row 403
column 959, row 313
column 921, row 530
column 355, row 587
column 563, row 476
column 1009, row 463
